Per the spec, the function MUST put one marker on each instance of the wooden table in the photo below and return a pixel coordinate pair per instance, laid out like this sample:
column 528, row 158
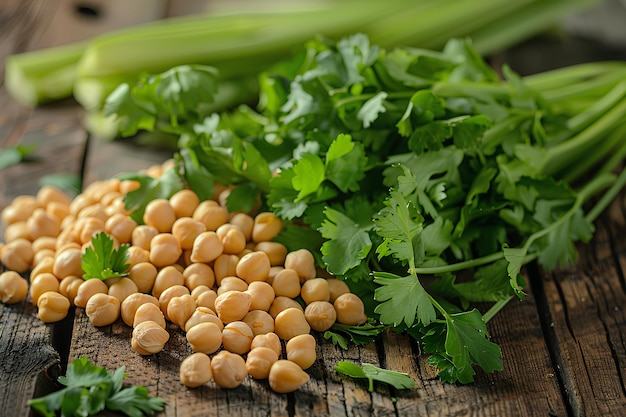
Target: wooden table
column 564, row 347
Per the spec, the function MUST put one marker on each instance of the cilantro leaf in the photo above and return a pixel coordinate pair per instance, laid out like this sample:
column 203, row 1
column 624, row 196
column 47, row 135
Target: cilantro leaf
column 309, row 175
column 373, row 373
column 402, row 299
column 134, row 402
column 102, row 261
column 13, row 155
column 341, row 334
column 347, row 245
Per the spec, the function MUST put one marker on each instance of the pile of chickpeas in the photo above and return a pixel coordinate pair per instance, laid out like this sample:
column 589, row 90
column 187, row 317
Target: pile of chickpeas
column 246, row 305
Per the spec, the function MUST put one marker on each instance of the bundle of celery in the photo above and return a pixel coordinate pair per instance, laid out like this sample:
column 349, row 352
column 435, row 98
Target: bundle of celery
column 240, row 45
column 418, row 176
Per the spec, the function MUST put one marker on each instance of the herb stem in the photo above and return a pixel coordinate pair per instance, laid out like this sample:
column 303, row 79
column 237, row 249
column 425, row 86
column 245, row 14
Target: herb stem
column 607, row 197
column 494, row 309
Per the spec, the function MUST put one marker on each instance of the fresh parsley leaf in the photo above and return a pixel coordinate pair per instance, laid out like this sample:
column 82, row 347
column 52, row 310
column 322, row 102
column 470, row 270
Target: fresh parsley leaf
column 373, row 373
column 347, row 242
column 13, row 155
column 341, row 334
column 402, row 300
column 102, row 261
column 134, row 402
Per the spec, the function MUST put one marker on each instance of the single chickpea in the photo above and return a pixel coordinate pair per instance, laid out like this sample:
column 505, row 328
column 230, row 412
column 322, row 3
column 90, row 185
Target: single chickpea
column 205, row 337
column 79, row 202
column 164, row 249
column 126, row 186
column 229, row 369
column 58, row 211
column 244, row 222
column 42, row 283
column 123, row 288
column 95, row 210
column 120, row 227
column 13, row 287
column 259, row 321
column 15, row 231
column 320, row 315
column 167, row 277
column 20, row 209
column 301, row 350
column 290, row 323
column 68, row 262
column 282, row 303
column 254, row 266
column 169, row 294
column 233, row 239
column 89, row 227
column 17, row 255
column 350, row 309
column 268, row 340
column 142, row 236
column 203, row 315
column 137, row 255
column 259, row 362
column 160, row 214
column 232, row 284
column 273, row 272
column 237, row 337
column 184, row 202
column 286, row 376
column 68, row 287
column 44, row 242
column 275, row 251
column 286, row 283
column 266, row 227
column 225, row 265
column 195, row 370
column 149, row 312
column 262, row 295
column 52, row 307
column 49, row 193
column 197, row 274
column 187, row 230
column 211, row 214
column 130, row 304
column 315, row 289
column 232, row 306
column 337, row 287
column 102, row 309
column 207, row 299
column 143, row 274
column 180, row 309
column 303, row 262
column 42, row 254
column 88, row 289
column 149, row 338
column 206, row 247
column 45, row 265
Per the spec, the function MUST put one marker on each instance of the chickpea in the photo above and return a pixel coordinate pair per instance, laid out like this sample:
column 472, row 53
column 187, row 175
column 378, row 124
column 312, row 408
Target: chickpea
column 143, row 274
column 137, row 255
column 290, row 323
column 286, row 376
column 88, row 289
column 129, row 306
column 122, row 288
column 126, row 186
column 205, row 337
column 259, row 321
column 315, row 289
column 68, row 287
column 237, row 337
column 301, row 350
column 13, row 287
column 102, row 309
column 199, row 290
column 17, row 255
column 149, row 312
column 286, row 283
column 52, row 307
column 320, row 315
column 80, row 202
column 211, row 214
column 184, row 202
column 15, row 231
column 164, row 249
column 40, row 223
column 49, row 193
column 350, row 309
column 266, row 227
column 268, row 340
column 58, row 211
column 282, row 303
column 259, row 361
column 275, row 251
column 149, row 338
column 206, row 248
column 197, row 274
column 88, row 227
column 203, row 315
column 44, row 242
column 232, row 306
column 232, row 284
column 180, row 309
column 262, row 295
column 195, row 370
column 120, row 227
column 207, row 299
column 42, row 254
column 337, row 287
column 244, row 222
column 187, row 230
column 142, row 236
column 254, row 266
column 42, row 283
column 20, row 209
column 169, row 294
column 160, row 214
column 225, row 266
column 95, row 210
column 229, row 369
column 273, row 272
column 303, row 262
column 45, row 265
column 233, row 239
column 167, row 277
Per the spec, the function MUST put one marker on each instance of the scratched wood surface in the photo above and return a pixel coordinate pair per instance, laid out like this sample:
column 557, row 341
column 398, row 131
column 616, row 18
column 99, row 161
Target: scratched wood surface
column 564, row 347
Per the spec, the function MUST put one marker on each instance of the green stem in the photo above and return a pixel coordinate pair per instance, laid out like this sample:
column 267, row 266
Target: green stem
column 607, row 198
column 489, row 314
column 460, row 266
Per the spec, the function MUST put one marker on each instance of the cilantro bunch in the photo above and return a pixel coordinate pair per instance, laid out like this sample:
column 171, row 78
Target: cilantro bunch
column 425, row 179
